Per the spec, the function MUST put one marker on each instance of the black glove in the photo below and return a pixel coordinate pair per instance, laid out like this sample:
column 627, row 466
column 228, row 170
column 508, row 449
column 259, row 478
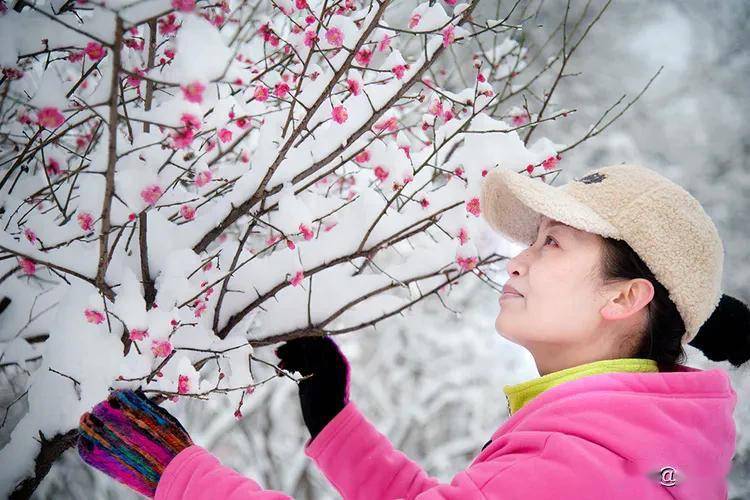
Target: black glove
column 326, row 392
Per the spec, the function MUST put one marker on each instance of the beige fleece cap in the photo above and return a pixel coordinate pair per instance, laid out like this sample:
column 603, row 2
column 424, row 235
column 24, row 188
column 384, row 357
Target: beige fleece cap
column 665, row 225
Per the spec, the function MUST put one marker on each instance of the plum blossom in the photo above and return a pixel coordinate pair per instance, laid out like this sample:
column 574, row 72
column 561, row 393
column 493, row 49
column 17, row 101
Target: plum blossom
column 161, row 348
column 53, row 166
column 381, row 173
column 306, row 231
column 85, row 221
column 363, row 57
column 187, row 212
column 190, row 120
column 354, row 85
column 151, row 194
column 261, row 93
column 30, row 235
column 183, row 138
column 339, row 114
column 27, row 265
column 463, row 235
column 93, row 316
column 49, row 117
column 193, row 92
column 138, row 333
column 94, row 51
column 466, row 263
column 203, row 177
column 414, row 20
column 183, row 384
column 310, row 37
column 384, row 43
column 449, row 35
column 363, row 156
column 168, row 24
column 551, row 162
column 399, row 70
column 335, row 36
column 297, row 278
column 281, row 89
column 183, row 5
column 472, row 206
column 225, row 135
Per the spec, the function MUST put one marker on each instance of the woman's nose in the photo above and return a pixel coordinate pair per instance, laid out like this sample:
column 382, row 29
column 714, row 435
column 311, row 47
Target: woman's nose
column 517, row 265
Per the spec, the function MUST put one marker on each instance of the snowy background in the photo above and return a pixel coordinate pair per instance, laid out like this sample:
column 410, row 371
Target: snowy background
column 432, row 379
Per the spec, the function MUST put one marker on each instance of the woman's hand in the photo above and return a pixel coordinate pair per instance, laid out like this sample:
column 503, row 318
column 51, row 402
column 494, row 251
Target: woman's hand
column 324, row 394
column 131, row 439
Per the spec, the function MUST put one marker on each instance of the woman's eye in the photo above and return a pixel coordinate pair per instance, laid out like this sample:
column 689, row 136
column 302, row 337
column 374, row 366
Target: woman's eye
column 549, row 238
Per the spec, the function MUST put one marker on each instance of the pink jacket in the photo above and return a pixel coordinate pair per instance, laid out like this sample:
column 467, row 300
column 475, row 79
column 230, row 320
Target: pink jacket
column 610, row 436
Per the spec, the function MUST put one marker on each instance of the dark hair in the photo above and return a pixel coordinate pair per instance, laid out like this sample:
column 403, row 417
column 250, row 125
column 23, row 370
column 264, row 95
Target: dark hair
column 725, row 336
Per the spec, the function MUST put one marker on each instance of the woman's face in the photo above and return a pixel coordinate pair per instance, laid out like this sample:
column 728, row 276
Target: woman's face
column 561, row 312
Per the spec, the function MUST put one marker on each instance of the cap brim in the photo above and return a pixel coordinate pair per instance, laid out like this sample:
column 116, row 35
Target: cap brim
column 514, row 203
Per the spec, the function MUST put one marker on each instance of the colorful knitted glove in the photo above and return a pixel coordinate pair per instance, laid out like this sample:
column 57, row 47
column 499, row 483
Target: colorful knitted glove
column 325, row 394
column 131, row 438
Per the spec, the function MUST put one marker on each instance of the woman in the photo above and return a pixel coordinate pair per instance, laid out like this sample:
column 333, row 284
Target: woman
column 622, row 269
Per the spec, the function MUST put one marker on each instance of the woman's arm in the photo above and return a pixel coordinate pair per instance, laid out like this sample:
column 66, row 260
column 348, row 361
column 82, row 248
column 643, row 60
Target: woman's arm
column 196, row 474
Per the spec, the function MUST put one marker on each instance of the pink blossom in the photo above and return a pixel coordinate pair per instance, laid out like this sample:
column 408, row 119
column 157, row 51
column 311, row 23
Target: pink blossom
column 459, row 171
column 388, row 124
column 135, row 43
column 481, row 78
column 424, row 202
column 183, row 5
column 168, row 24
column 93, row 316
column 203, row 177
column 200, row 308
column 467, row 263
column 161, row 348
column 300, row 4
column 225, row 135
column 306, row 231
column 399, row 70
column 339, row 114
column 519, row 119
column 451, row 2
column 261, row 93
column 551, row 162
column 187, row 212
column 463, row 235
column 30, row 235
column 245, row 157
column 335, row 36
column 183, row 384
column 310, row 37
column 472, row 206
column 414, row 20
column 151, row 194
column 193, row 92
column 529, row 168
column 76, row 56
column 449, row 35
column 448, row 115
column 95, row 51
column 49, row 117
column 406, row 150
column 12, row 73
column 281, row 89
column 134, row 80
column 384, row 44
column 138, row 333
column 362, row 157
column 355, row 86
column 85, row 221
column 183, row 138
column 309, row 19
column 363, row 57
column 27, row 265
column 436, row 107
column 250, row 389
column 237, row 414
column 190, row 120
column 381, row 173
column 297, row 278
column 290, row 245
column 53, row 167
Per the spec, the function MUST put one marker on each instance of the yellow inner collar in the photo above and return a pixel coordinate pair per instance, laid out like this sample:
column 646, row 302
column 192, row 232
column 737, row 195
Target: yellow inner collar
column 519, row 394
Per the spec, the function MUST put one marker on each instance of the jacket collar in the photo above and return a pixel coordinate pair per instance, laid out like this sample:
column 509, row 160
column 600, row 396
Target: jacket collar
column 518, row 395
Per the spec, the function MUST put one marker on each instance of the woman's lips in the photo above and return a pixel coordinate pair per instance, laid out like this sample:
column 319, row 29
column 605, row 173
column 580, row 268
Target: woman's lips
column 508, row 295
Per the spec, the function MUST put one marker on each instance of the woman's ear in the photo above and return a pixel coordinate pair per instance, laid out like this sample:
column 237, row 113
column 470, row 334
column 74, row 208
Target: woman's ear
column 629, row 297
